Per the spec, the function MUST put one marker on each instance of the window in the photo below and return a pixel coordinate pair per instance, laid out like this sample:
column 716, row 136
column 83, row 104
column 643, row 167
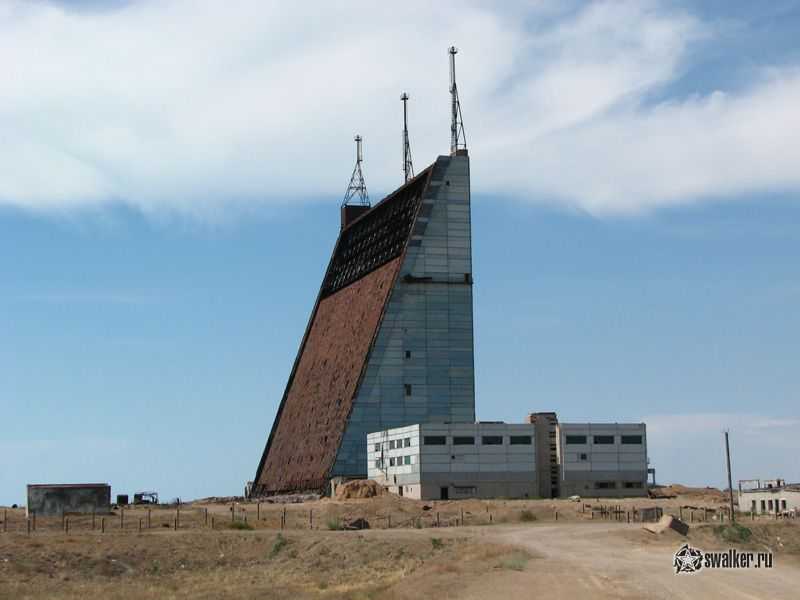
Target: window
column 763, row 505
column 377, row 447
column 408, row 353
column 583, row 456
column 434, row 440
column 407, row 459
column 378, row 463
column 631, row 439
column 492, row 440
column 783, row 504
column 521, row 440
column 605, row 485
column 391, row 444
column 391, row 461
column 463, row 440
column 604, row 439
column 633, row 484
column 576, row 439
column 407, row 442
column 769, row 503
column 407, row 387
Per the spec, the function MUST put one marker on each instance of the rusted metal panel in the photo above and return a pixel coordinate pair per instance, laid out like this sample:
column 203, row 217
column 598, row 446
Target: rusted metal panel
column 310, row 425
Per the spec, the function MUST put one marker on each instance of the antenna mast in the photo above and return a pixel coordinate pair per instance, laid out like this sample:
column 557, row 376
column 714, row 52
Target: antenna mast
column 408, row 165
column 458, row 139
column 357, row 186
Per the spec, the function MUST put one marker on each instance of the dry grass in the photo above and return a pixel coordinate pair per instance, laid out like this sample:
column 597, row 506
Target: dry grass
column 233, row 564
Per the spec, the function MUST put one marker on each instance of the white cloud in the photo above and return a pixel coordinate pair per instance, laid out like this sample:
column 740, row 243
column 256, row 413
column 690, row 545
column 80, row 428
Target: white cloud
column 195, row 106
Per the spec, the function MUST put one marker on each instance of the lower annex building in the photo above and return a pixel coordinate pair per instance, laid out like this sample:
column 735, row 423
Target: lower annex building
column 540, row 458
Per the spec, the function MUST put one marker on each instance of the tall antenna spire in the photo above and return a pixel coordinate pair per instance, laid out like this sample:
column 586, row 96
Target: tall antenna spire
column 458, row 139
column 408, row 165
column 357, row 186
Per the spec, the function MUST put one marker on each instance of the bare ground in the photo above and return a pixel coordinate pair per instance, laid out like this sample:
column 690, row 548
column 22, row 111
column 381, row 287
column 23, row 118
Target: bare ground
column 524, row 553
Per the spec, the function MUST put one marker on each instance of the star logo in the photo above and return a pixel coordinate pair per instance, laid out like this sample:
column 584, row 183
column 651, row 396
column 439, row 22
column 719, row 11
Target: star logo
column 688, row 559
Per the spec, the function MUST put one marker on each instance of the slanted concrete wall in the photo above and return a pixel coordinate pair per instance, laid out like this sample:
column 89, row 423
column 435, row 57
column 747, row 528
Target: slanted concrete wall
column 53, row 500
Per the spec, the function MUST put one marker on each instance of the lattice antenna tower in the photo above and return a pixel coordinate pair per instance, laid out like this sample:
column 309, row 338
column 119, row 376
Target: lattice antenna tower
column 458, row 139
column 357, row 187
column 408, row 165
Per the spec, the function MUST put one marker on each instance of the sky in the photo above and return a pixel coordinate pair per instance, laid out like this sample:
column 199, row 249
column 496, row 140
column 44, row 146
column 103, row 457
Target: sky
column 170, row 177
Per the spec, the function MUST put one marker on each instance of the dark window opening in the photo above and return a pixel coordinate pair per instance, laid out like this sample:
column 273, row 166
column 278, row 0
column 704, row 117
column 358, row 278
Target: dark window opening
column 633, row 484
column 631, row 439
column 434, row 440
column 408, row 353
column 604, row 439
column 521, row 440
column 605, row 485
column 407, row 387
column 463, row 440
column 492, row 440
column 576, row 439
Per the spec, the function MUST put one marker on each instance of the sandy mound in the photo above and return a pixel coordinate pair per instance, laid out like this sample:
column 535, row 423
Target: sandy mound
column 359, row 488
column 704, row 494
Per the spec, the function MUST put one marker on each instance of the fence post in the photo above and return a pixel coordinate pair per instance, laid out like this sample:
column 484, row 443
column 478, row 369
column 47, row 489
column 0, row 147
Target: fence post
column 103, row 525
column 462, row 516
column 94, row 513
column 311, row 519
column 556, row 515
column 178, row 517
column 29, row 526
column 5, row 520
column 148, row 518
column 122, row 518
column 206, row 517
column 33, row 512
column 390, row 522
column 175, row 521
column 437, row 519
column 212, row 522
column 233, row 513
column 140, row 524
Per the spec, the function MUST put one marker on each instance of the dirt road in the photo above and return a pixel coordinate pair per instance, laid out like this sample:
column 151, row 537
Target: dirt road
column 609, row 560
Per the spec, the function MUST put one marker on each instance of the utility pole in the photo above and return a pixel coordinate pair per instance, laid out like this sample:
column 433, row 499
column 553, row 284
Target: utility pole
column 730, row 481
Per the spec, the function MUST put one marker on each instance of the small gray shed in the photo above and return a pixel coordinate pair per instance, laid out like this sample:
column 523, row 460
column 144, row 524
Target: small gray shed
column 48, row 500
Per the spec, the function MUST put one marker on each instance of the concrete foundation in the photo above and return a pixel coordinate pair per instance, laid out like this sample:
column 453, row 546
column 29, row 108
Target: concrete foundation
column 50, row 500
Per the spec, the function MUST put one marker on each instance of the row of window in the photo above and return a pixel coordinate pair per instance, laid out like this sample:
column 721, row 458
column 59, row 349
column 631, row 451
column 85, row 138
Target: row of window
column 404, row 443
column 603, row 439
column 612, row 485
column 775, row 506
column 394, row 461
column 469, row 440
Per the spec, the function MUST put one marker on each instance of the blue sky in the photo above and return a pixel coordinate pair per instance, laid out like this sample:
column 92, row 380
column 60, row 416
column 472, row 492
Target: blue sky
column 168, row 205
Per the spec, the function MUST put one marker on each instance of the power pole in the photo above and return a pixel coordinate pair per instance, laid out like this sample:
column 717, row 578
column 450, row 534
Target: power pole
column 730, row 480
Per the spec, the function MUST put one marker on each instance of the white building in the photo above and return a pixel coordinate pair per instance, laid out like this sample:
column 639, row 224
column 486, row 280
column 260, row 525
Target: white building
column 456, row 460
column 603, row 459
column 490, row 460
column 770, row 497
